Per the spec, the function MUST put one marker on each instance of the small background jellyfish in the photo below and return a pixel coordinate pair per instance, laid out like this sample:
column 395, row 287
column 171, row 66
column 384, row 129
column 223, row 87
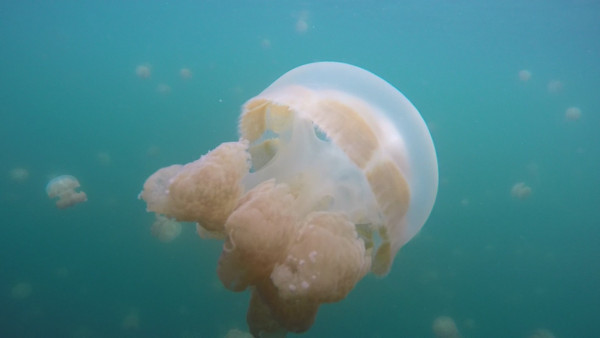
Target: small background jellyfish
column 185, row 73
column 63, row 187
column 19, row 174
column 524, row 75
column 573, row 114
column 554, row 86
column 520, row 190
column 542, row 333
column 21, row 290
column 445, row 327
column 166, row 230
column 143, row 71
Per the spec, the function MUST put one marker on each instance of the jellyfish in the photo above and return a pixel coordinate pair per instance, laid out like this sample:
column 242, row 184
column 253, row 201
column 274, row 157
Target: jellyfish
column 63, row 187
column 542, row 333
column 524, row 75
column 573, row 114
column 165, row 229
column 445, row 327
column 520, row 190
column 143, row 71
column 302, row 23
column 163, row 89
column 334, row 171
column 21, row 290
column 185, row 73
column 19, row 174
column 554, row 86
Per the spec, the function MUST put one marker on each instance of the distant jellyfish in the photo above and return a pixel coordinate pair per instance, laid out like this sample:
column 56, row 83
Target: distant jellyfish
column 554, row 86
column 19, row 174
column 302, row 23
column 143, row 71
column 165, row 229
column 235, row 333
column 63, row 187
column 21, row 290
column 573, row 114
column 163, row 89
column 524, row 75
column 185, row 73
column 520, row 190
column 153, row 151
column 542, row 333
column 265, row 43
column 445, row 327
column 104, row 158
column 131, row 321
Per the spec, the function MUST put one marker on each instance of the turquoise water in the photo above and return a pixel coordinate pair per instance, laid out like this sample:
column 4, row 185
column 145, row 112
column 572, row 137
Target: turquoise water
column 71, row 103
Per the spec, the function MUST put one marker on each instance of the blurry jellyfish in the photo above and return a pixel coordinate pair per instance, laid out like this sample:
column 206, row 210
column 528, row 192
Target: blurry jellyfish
column 235, row 333
column 554, row 86
column 103, row 158
column 165, row 229
column 542, row 333
column 153, row 151
column 334, row 172
column 131, row 321
column 520, row 190
column 143, row 71
column 21, row 290
column 19, row 174
column 524, row 75
column 445, row 327
column 302, row 23
column 573, row 114
column 185, row 73
column 163, row 89
column 63, row 187
column 265, row 43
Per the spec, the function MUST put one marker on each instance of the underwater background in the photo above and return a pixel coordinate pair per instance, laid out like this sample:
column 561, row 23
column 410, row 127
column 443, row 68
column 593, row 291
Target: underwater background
column 494, row 80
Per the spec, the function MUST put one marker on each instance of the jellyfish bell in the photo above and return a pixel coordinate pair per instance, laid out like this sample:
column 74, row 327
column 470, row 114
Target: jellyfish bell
column 573, row 114
column 143, row 71
column 19, row 174
column 524, row 75
column 64, row 189
column 165, row 229
column 445, row 327
column 185, row 73
column 334, row 172
column 554, row 86
column 520, row 191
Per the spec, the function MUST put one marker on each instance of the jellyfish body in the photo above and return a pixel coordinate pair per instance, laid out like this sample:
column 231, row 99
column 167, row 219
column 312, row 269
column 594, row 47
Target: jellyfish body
column 64, row 188
column 335, row 171
column 520, row 190
column 166, row 230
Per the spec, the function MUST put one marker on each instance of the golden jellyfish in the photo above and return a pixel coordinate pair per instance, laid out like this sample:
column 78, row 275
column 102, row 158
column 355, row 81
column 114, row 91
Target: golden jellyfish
column 235, row 333
column 542, row 333
column 524, row 75
column 166, row 230
column 302, row 23
column 143, row 71
column 19, row 174
column 334, row 172
column 520, row 190
column 445, row 327
column 554, row 86
column 573, row 114
column 185, row 73
column 64, row 188
column 21, row 290
column 163, row 89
